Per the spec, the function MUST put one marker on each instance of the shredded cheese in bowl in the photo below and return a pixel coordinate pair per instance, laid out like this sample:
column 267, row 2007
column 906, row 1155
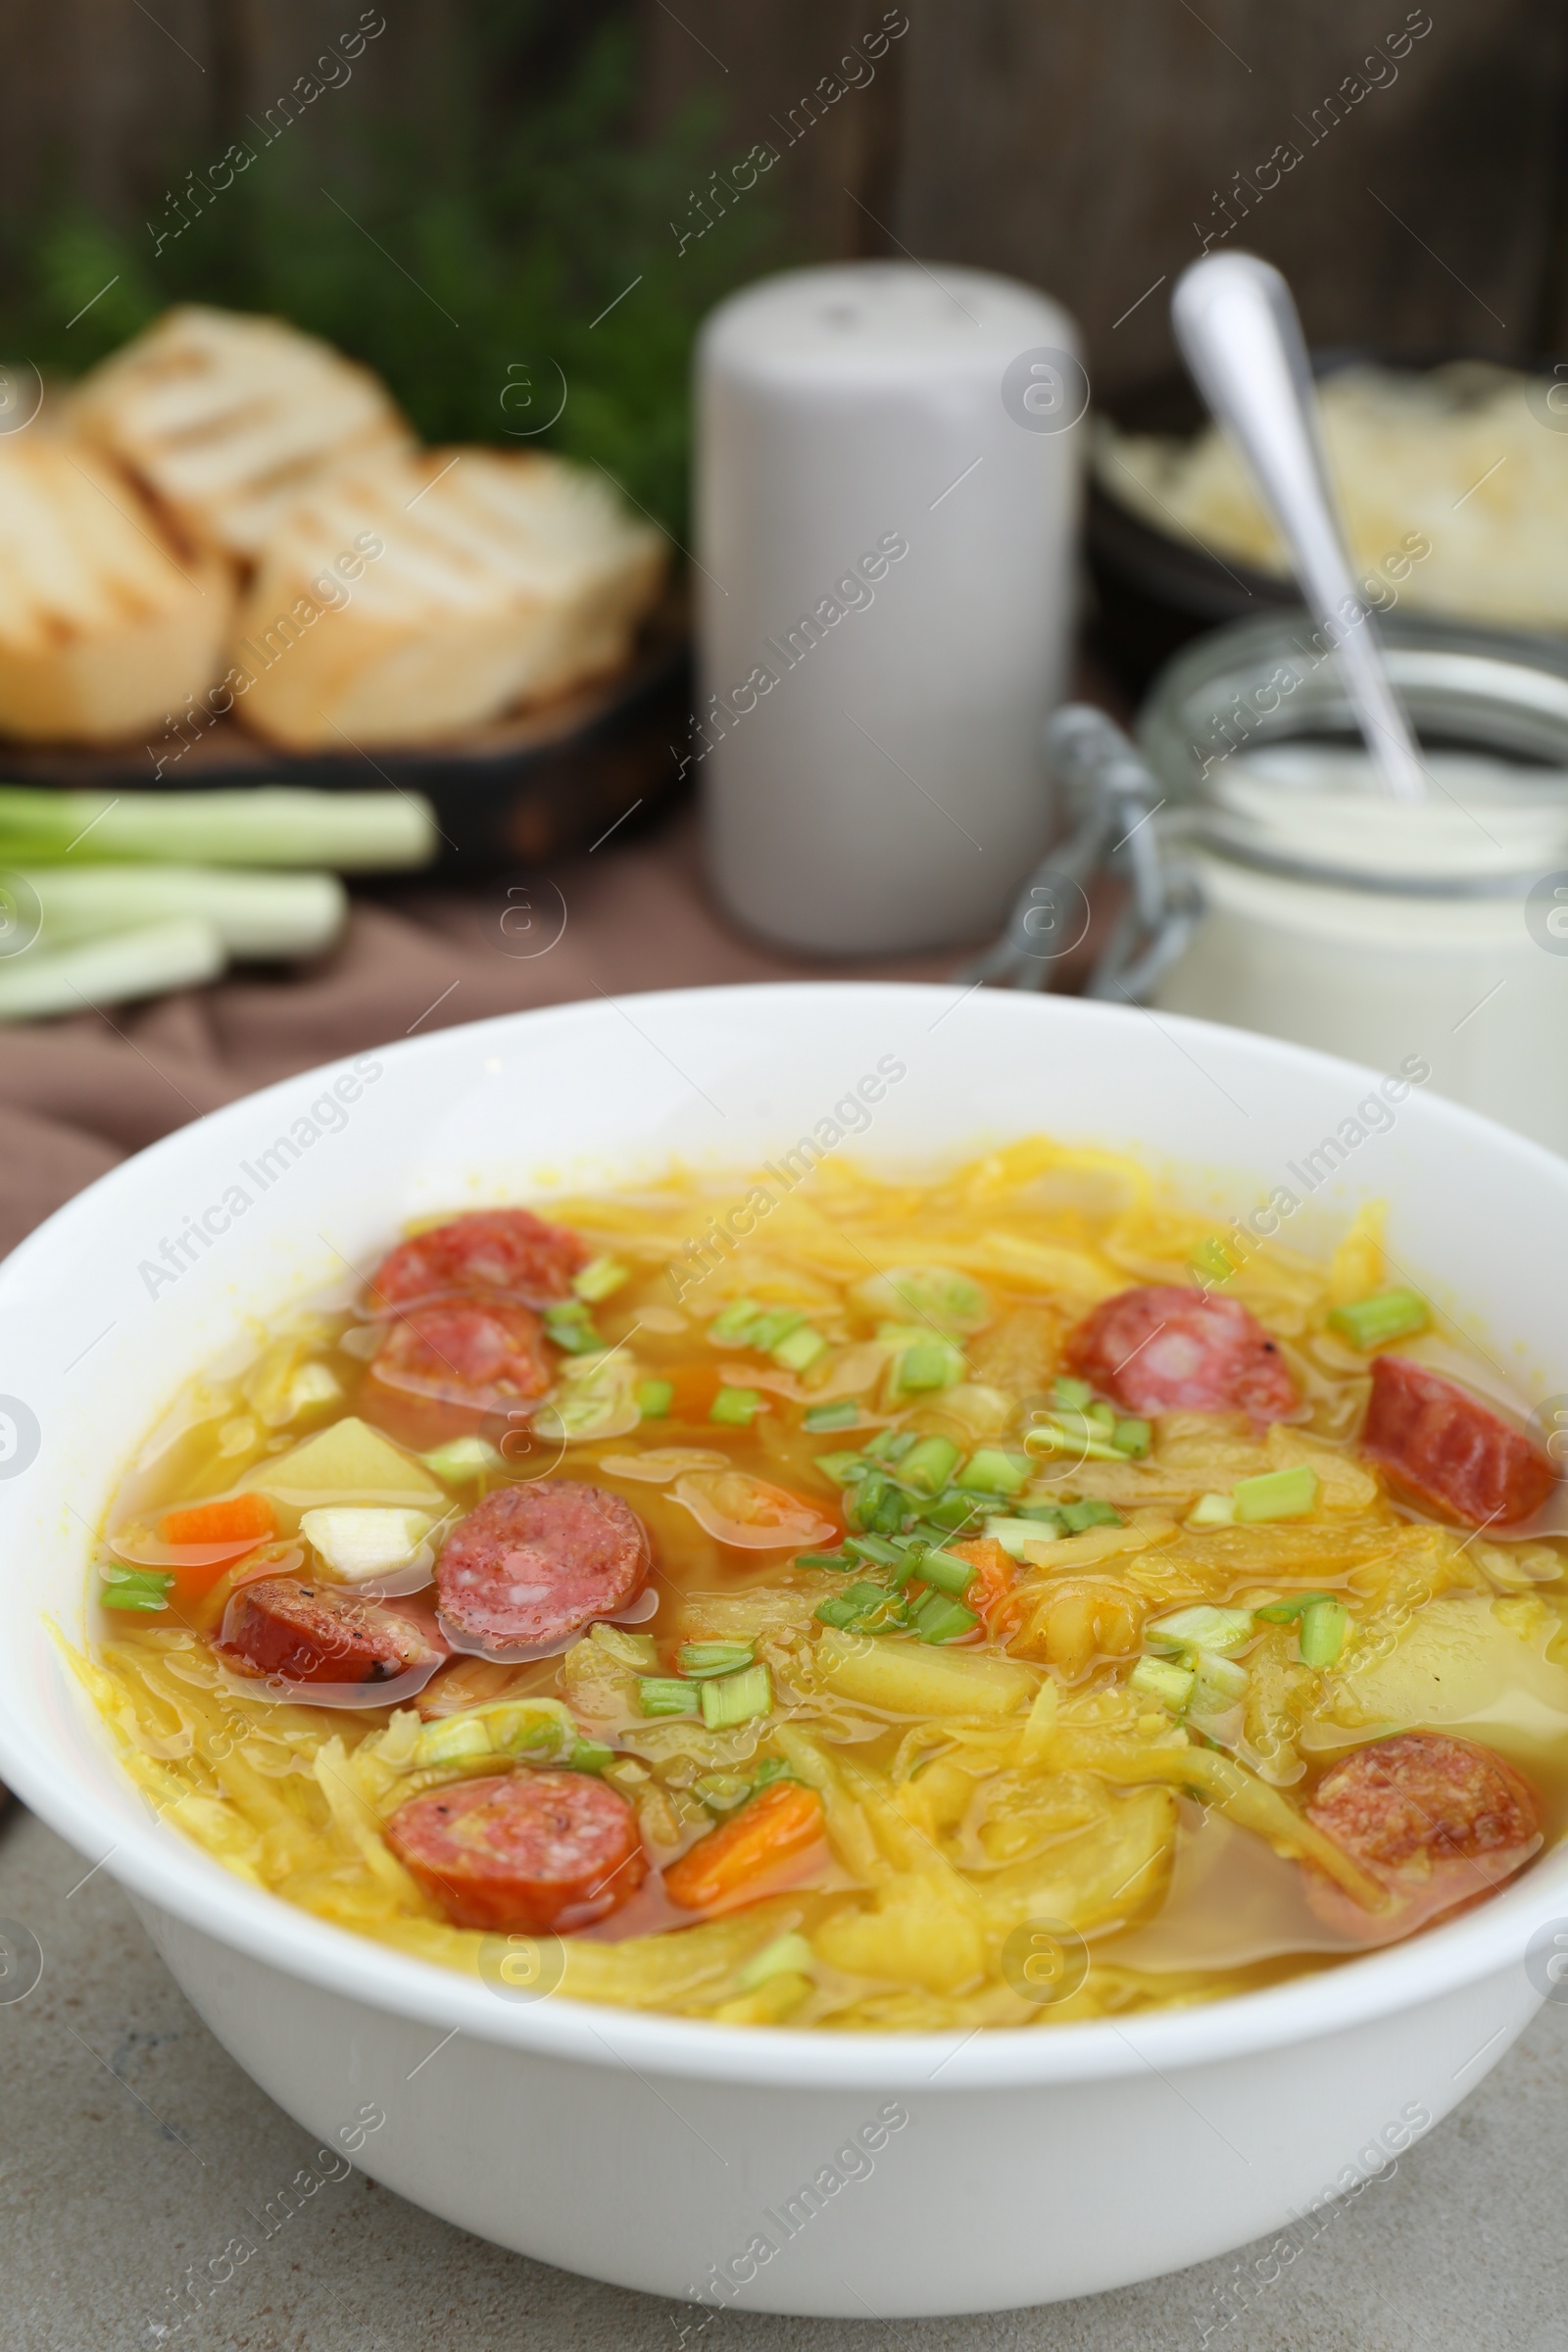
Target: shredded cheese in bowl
column 1453, row 484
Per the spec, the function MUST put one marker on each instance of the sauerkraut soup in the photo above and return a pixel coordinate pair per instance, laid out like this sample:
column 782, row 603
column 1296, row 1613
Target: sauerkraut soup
column 994, row 1600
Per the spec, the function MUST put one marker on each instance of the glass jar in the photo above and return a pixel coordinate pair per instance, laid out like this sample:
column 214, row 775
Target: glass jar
column 1340, row 918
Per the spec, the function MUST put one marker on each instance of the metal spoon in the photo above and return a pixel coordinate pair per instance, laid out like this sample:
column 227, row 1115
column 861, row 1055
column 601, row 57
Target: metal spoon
column 1242, row 339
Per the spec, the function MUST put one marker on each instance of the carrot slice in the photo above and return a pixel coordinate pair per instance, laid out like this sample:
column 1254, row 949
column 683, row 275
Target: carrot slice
column 242, row 1519
column 772, row 1829
column 993, row 1573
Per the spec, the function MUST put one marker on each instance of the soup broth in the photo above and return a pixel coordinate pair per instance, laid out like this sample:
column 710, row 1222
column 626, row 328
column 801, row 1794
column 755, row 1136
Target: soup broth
column 1001, row 1598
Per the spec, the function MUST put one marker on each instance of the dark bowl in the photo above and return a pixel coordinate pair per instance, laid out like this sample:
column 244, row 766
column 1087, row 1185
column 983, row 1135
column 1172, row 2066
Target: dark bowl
column 1155, row 590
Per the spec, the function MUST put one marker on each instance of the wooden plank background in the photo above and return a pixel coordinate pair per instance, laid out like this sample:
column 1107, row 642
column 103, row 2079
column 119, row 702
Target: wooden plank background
column 1080, row 144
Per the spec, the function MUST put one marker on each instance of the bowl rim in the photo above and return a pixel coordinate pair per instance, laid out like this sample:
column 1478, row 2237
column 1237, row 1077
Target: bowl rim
column 177, row 1881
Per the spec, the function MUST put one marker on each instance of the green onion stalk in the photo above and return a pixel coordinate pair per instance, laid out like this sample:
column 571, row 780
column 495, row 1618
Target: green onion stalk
column 104, row 899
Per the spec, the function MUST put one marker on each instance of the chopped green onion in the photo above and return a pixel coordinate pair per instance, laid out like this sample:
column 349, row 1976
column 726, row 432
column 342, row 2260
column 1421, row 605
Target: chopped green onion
column 590, row 1755
column 772, row 1769
column 598, row 1276
column 953, row 1512
column 842, row 1415
column 1220, row 1684
column 1277, row 1494
column 800, row 1349
column 1158, row 1678
column 463, row 1458
column 1204, row 1628
column 1078, row 1516
column 774, row 1324
column 1014, row 1535
column 134, row 1587
column 876, row 1504
column 1369, row 1323
column 1282, row 1612
column 1072, row 1433
column 842, row 1468
column 993, row 1471
column 943, row 1570
column 732, row 1326
column 1323, row 1629
column 857, row 1604
column 663, row 1694
column 874, row 1547
column 889, row 1444
column 1132, row 1437
column 928, row 1464
column 702, row 1658
column 941, row 1619
column 1099, row 1416
column 823, row 1559
column 926, row 1365
column 1074, row 1396
column 788, row 1955
column 739, row 1408
column 1212, row 1510
column 737, row 1698
column 655, row 1399
column 571, row 1327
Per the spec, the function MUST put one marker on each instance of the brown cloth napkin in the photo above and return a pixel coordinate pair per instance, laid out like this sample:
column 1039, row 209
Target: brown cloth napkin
column 80, row 1093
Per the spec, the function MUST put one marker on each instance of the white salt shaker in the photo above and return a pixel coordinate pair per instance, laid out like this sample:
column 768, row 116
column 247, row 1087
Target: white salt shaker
column 888, row 483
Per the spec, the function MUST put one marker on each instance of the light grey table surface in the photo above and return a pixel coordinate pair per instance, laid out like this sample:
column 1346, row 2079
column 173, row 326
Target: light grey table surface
column 137, row 2163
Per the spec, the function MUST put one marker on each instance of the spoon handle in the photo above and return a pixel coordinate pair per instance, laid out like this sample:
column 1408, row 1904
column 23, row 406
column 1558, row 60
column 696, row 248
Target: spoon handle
column 1242, row 340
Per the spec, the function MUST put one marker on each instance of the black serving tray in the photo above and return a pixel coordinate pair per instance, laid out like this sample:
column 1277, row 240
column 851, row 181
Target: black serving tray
column 524, row 789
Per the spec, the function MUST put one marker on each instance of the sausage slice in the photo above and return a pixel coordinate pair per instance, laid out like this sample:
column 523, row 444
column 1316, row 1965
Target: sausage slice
column 535, row 1563
column 529, row 1851
column 1441, row 1822
column 483, row 1353
column 1447, row 1452
column 312, row 1634
column 1163, row 1349
column 505, row 1250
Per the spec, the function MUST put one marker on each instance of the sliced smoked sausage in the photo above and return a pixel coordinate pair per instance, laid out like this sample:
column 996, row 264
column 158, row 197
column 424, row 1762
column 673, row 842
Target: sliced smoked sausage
column 315, row 1634
column 530, row 1850
column 487, row 1354
column 1163, row 1349
column 509, row 1251
column 535, row 1563
column 1447, row 1452
column 1439, row 1821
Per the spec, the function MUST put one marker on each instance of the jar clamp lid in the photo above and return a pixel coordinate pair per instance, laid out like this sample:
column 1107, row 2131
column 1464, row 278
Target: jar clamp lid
column 1114, row 801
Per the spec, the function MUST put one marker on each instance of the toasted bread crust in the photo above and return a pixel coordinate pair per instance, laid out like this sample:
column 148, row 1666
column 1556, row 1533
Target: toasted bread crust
column 107, row 620
column 225, row 418
column 502, row 579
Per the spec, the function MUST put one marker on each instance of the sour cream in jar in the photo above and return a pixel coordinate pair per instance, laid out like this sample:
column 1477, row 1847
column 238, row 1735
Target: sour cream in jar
column 1338, row 918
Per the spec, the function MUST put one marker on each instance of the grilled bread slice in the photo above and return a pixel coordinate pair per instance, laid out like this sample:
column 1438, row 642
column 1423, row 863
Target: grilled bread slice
column 107, row 621
column 226, row 417
column 410, row 598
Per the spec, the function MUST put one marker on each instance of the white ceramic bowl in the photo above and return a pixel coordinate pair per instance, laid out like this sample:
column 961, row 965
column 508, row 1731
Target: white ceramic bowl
column 672, row 2155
